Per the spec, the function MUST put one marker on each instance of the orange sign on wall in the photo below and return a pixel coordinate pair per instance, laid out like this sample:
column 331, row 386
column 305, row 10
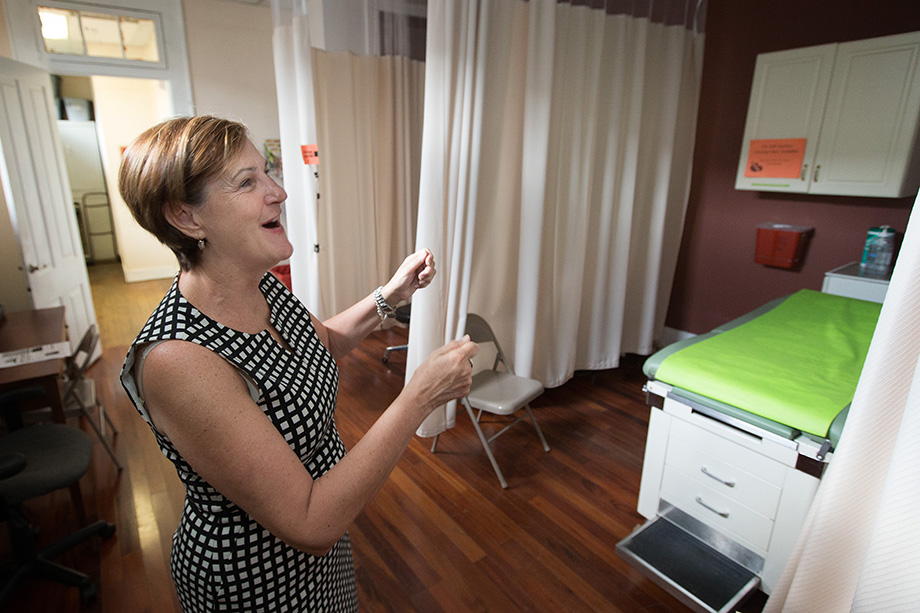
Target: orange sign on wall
column 775, row 158
column 310, row 154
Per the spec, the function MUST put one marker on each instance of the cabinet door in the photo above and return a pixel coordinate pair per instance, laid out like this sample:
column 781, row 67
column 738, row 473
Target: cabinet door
column 871, row 118
column 787, row 101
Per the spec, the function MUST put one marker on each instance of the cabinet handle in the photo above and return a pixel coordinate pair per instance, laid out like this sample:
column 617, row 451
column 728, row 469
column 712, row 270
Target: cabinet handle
column 804, row 171
column 699, row 500
column 817, row 168
column 706, row 472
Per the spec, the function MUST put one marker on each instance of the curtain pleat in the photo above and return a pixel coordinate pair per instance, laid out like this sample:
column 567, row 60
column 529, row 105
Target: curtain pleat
column 557, row 150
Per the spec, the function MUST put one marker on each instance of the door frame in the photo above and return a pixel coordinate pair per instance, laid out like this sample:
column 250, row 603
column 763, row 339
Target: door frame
column 24, row 30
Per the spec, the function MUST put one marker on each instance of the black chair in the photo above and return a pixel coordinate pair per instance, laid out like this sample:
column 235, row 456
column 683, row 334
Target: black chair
column 403, row 314
column 34, row 461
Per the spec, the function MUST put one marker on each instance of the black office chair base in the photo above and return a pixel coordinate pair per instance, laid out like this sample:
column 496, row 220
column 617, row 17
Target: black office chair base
column 403, row 314
column 391, row 349
column 39, row 563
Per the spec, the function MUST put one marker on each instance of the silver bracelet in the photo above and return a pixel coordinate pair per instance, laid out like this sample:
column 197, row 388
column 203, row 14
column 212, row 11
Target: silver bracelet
column 384, row 310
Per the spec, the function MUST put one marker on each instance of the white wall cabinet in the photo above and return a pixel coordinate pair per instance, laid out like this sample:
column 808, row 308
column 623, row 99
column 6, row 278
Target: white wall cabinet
column 856, row 104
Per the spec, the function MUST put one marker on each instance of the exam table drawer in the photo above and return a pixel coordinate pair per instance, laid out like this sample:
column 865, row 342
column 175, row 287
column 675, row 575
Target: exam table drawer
column 726, row 471
column 715, row 509
column 745, row 457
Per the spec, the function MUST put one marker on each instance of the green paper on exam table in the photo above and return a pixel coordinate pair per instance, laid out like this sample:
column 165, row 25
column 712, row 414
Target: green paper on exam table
column 796, row 363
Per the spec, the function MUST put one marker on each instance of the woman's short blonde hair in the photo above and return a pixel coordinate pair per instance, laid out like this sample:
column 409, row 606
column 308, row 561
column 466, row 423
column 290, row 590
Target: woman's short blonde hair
column 173, row 162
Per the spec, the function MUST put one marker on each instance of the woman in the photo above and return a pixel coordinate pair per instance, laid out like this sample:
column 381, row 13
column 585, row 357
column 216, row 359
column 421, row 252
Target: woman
column 238, row 381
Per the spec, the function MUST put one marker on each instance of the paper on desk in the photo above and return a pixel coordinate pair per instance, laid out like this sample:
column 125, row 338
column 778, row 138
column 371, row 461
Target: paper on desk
column 39, row 353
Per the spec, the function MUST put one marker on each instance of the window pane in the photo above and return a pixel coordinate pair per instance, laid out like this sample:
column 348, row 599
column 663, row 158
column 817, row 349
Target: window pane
column 61, row 31
column 140, row 39
column 102, row 36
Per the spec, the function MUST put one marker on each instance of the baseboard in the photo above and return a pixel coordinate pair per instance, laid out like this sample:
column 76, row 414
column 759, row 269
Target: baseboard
column 148, row 274
column 672, row 335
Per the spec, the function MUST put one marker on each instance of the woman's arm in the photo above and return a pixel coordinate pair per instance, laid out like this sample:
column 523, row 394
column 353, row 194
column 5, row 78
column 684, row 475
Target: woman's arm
column 345, row 331
column 202, row 404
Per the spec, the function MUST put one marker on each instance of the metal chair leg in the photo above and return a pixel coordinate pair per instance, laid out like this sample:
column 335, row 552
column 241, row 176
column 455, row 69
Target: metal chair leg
column 485, row 445
column 101, row 436
column 536, row 427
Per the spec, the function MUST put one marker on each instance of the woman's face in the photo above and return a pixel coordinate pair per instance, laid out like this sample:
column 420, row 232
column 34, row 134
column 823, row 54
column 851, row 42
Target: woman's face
column 242, row 214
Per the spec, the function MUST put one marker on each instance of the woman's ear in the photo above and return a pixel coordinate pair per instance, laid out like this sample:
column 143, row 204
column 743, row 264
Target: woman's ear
column 183, row 218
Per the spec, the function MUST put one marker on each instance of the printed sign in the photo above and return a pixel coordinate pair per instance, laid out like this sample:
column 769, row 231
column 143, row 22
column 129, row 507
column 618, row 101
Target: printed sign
column 775, row 158
column 310, row 154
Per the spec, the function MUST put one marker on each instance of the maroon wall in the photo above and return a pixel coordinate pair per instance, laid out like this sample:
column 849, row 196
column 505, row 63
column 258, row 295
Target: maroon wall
column 716, row 278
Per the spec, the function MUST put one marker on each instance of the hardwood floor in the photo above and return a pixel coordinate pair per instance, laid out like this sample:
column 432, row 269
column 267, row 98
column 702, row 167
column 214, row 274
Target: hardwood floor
column 441, row 535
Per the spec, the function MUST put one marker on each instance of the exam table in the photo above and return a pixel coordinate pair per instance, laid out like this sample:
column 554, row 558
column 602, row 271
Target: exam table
column 744, row 420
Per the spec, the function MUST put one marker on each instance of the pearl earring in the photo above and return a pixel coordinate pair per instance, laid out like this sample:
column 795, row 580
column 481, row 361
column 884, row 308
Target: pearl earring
column 201, row 244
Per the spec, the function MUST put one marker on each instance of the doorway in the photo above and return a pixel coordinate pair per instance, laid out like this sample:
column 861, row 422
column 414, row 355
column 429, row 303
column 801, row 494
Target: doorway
column 115, row 110
column 82, row 157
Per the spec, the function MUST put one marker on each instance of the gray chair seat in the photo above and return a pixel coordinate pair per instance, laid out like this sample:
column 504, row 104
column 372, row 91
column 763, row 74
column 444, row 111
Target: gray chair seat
column 501, row 393
column 57, row 456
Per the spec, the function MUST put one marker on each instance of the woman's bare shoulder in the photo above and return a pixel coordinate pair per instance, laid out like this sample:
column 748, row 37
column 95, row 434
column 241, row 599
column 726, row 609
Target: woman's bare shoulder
column 178, row 368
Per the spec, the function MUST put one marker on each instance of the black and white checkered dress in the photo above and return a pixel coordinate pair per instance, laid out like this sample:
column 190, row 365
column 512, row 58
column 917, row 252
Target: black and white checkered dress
column 222, row 560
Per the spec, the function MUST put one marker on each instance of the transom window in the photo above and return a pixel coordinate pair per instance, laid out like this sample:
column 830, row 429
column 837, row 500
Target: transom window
column 99, row 35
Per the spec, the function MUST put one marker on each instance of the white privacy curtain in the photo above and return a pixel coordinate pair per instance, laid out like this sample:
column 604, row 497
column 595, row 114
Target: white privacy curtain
column 351, row 217
column 556, row 156
column 294, row 83
column 860, row 547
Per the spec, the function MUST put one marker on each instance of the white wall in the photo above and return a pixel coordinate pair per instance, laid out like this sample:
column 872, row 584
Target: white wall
column 125, row 108
column 231, row 66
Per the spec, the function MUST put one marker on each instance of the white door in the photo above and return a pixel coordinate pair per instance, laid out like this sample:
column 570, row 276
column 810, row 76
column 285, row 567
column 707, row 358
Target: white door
column 38, row 196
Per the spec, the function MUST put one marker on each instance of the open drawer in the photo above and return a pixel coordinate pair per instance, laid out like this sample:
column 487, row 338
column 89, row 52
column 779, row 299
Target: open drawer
column 698, row 566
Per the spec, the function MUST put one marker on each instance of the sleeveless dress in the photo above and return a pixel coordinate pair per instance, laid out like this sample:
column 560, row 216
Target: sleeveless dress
column 222, row 559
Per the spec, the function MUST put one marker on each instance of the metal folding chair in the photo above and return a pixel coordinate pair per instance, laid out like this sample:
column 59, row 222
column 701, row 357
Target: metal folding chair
column 499, row 392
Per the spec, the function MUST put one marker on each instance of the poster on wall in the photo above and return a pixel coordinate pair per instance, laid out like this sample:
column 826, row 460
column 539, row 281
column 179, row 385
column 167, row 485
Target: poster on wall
column 273, row 159
column 775, row 158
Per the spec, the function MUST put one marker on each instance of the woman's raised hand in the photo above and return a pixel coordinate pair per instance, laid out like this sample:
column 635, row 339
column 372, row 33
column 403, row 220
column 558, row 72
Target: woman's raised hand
column 446, row 375
column 416, row 272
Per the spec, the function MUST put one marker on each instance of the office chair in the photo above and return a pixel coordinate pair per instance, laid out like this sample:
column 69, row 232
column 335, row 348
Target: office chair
column 497, row 392
column 403, row 314
column 34, row 461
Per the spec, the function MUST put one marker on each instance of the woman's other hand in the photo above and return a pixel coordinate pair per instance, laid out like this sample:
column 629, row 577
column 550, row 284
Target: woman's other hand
column 416, row 272
column 446, row 375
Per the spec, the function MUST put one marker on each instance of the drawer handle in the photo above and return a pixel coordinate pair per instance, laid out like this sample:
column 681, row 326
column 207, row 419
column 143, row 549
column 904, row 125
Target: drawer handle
column 699, row 500
column 706, row 472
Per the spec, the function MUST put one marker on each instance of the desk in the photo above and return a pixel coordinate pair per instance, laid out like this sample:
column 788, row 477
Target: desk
column 27, row 329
